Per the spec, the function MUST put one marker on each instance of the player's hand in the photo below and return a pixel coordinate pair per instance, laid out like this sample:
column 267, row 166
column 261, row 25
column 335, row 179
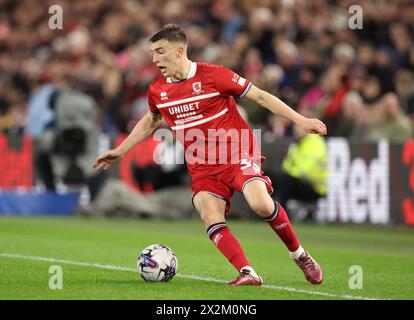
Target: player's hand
column 108, row 159
column 312, row 125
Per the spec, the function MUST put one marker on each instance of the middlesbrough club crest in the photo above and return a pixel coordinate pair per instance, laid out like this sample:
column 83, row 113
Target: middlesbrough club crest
column 163, row 95
column 197, row 88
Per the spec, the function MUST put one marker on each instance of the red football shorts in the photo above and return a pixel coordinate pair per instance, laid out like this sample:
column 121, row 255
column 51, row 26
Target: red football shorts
column 232, row 178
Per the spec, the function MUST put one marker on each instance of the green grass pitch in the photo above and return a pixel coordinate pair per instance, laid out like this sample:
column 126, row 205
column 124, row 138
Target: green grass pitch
column 91, row 253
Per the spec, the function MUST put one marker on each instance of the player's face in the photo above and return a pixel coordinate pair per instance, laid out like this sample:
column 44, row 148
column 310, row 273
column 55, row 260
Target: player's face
column 166, row 56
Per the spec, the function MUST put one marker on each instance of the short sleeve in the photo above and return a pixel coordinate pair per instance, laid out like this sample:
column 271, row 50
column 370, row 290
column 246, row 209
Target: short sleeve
column 153, row 108
column 229, row 82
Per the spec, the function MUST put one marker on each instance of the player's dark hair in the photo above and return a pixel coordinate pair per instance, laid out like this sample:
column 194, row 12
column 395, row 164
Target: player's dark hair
column 170, row 32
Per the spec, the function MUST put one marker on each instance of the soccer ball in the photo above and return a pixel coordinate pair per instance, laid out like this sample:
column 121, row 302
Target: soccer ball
column 157, row 263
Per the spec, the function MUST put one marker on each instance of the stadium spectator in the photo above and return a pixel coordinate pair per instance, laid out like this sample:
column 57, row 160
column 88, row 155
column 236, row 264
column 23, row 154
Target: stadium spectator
column 404, row 87
column 383, row 69
column 358, row 76
column 371, row 90
column 393, row 124
column 354, row 116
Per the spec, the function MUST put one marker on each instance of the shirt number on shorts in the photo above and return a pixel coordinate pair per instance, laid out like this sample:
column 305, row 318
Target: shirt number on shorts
column 245, row 164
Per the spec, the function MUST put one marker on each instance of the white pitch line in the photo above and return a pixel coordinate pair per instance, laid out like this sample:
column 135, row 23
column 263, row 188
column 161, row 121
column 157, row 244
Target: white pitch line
column 192, row 277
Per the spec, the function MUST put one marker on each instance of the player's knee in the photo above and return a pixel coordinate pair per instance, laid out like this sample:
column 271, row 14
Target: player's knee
column 210, row 217
column 263, row 208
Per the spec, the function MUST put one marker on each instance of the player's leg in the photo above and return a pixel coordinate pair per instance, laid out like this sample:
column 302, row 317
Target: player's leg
column 259, row 200
column 212, row 211
column 210, row 207
column 262, row 204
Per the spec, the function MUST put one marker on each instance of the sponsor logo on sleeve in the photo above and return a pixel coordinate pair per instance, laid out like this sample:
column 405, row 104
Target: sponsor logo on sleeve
column 241, row 81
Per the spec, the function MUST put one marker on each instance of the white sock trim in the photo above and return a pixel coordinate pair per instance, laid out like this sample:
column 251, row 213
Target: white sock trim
column 296, row 254
column 252, row 272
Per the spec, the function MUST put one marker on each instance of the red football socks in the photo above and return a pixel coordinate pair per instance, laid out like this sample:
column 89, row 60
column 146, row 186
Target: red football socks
column 226, row 242
column 279, row 221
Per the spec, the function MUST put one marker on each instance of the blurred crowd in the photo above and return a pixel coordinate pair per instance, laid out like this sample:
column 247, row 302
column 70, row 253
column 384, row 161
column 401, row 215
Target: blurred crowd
column 360, row 81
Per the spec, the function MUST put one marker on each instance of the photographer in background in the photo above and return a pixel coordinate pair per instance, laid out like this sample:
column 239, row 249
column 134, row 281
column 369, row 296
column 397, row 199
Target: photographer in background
column 67, row 141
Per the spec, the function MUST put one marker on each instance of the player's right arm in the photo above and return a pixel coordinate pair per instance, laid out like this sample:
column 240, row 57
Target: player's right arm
column 145, row 127
column 230, row 83
column 277, row 106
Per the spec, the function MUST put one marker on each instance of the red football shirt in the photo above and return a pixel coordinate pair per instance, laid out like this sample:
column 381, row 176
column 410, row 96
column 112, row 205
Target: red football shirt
column 202, row 112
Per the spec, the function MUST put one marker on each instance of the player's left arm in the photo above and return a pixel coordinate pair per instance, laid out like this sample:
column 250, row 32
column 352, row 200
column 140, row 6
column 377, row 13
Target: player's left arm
column 277, row 106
